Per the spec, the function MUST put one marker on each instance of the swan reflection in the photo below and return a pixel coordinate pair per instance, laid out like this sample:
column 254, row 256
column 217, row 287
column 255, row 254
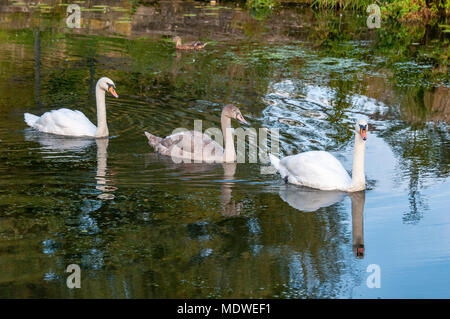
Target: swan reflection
column 358, row 200
column 310, row 200
column 229, row 207
column 198, row 172
column 51, row 143
column 102, row 182
column 71, row 148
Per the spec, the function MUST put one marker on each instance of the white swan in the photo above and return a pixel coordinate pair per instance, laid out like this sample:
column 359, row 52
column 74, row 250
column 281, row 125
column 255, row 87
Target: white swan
column 193, row 145
column 75, row 123
column 321, row 170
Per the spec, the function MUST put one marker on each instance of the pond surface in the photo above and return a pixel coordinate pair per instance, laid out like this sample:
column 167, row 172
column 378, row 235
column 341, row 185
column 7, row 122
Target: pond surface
column 141, row 226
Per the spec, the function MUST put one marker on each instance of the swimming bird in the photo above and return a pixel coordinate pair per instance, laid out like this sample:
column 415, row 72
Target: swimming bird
column 199, row 147
column 197, row 45
column 321, row 170
column 75, row 123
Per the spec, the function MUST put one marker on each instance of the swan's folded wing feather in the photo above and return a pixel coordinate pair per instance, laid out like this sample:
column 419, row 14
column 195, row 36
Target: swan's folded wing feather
column 66, row 122
column 195, row 146
column 316, row 169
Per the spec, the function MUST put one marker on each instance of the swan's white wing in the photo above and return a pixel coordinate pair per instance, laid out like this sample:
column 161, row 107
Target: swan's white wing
column 65, row 122
column 316, row 169
column 191, row 145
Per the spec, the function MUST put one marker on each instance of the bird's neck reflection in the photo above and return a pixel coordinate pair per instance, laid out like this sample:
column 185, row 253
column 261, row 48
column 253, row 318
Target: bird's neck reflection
column 229, row 207
column 358, row 200
column 103, row 184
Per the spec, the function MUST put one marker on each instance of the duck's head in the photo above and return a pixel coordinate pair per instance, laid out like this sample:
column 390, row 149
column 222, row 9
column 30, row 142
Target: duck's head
column 176, row 39
column 361, row 128
column 233, row 112
column 107, row 85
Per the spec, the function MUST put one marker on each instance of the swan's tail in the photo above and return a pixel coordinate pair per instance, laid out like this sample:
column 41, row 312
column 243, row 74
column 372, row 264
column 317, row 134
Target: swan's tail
column 30, row 119
column 275, row 161
column 152, row 139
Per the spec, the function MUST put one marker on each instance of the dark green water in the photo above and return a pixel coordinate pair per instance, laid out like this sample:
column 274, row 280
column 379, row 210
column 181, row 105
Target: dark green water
column 141, row 226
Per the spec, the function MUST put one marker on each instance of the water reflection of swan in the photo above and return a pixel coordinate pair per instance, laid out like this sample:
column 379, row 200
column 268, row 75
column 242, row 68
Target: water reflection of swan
column 229, row 207
column 310, row 200
column 199, row 172
column 102, row 156
column 54, row 143
column 358, row 200
column 60, row 146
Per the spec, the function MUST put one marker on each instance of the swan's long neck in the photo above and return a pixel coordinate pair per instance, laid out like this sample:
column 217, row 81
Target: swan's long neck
column 102, row 127
column 229, row 154
column 358, row 177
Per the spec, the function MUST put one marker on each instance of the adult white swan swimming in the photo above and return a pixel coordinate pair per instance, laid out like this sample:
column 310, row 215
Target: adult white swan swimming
column 321, row 170
column 75, row 123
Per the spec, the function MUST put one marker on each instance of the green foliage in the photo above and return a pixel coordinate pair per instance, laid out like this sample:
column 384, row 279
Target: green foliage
column 415, row 11
column 261, row 9
column 406, row 11
column 342, row 4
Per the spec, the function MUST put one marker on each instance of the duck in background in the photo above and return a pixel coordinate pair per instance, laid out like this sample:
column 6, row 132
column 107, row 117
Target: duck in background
column 197, row 45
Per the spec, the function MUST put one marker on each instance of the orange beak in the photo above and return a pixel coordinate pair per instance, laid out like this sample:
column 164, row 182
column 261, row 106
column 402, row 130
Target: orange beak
column 113, row 92
column 363, row 134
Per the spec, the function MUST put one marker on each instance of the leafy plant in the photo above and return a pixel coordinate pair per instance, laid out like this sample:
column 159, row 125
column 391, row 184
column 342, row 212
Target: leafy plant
column 261, row 9
column 342, row 4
